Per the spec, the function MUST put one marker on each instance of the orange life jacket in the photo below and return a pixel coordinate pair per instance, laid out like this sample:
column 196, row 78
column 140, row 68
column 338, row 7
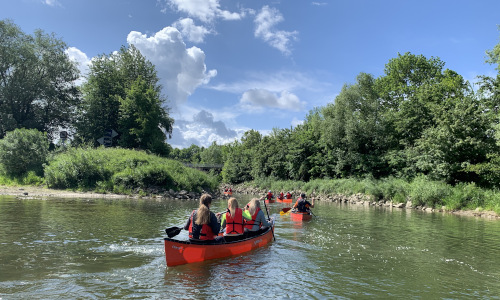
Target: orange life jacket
column 206, row 232
column 235, row 225
column 249, row 224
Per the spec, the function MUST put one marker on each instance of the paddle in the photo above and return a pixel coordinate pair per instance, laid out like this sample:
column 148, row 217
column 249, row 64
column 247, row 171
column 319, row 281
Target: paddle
column 173, row 231
column 285, row 210
column 272, row 230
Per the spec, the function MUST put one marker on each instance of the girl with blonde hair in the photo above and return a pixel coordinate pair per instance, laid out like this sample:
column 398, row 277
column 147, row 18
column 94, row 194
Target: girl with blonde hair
column 258, row 219
column 202, row 224
column 234, row 221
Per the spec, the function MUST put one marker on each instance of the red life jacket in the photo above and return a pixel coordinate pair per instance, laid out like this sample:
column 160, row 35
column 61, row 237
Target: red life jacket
column 288, row 196
column 249, row 224
column 281, row 197
column 269, row 196
column 206, row 232
column 235, row 225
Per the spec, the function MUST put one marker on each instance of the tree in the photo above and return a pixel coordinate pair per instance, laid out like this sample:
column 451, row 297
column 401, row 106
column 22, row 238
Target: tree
column 37, row 81
column 354, row 131
column 141, row 119
column 23, row 150
column 113, row 89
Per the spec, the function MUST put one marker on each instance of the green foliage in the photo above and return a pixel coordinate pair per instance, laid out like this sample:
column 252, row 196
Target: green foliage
column 141, row 119
column 465, row 195
column 123, row 93
column 122, row 170
column 23, row 150
column 424, row 192
column 37, row 90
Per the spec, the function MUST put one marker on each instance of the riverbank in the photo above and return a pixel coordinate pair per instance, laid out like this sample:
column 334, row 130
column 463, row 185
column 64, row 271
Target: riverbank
column 38, row 192
column 35, row 192
column 363, row 199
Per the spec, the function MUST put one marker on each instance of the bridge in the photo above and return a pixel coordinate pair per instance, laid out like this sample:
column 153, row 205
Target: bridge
column 205, row 167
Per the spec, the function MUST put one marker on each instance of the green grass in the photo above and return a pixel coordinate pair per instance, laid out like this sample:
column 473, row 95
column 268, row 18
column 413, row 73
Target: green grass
column 122, row 171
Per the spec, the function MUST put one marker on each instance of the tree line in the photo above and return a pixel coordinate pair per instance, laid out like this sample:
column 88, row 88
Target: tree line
column 417, row 119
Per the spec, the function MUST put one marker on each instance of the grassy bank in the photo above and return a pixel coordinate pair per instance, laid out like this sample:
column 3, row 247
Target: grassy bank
column 117, row 171
column 421, row 191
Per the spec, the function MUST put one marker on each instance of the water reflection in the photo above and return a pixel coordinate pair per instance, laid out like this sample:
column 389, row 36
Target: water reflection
column 102, row 248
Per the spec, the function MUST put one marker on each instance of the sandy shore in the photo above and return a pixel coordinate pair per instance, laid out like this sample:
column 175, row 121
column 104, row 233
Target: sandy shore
column 42, row 192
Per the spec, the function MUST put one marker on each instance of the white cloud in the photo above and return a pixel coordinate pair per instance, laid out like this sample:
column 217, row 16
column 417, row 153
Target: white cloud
column 51, row 2
column 296, row 122
column 257, row 99
column 81, row 60
column 181, row 69
column 193, row 33
column 274, row 82
column 265, row 22
column 202, row 130
column 204, row 10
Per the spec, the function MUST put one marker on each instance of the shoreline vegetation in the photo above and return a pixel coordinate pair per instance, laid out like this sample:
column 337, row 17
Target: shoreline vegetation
column 23, row 192
column 115, row 173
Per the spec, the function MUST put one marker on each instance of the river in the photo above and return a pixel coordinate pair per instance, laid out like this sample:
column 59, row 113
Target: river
column 113, row 249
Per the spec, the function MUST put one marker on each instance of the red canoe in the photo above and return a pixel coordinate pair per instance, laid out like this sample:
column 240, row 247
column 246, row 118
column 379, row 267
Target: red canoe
column 185, row 252
column 270, row 201
column 285, row 200
column 297, row 216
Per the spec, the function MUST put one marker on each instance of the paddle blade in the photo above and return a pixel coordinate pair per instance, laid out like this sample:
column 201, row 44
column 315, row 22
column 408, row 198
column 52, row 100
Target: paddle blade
column 172, row 231
column 286, row 209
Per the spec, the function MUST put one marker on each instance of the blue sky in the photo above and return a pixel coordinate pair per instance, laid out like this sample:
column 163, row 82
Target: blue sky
column 229, row 66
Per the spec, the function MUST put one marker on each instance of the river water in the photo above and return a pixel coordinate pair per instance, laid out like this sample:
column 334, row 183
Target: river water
column 113, row 249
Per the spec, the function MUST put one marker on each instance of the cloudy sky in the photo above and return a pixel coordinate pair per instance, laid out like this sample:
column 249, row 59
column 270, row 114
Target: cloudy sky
column 228, row 66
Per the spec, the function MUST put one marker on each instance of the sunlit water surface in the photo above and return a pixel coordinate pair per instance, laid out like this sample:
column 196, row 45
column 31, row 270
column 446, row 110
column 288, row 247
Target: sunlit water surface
column 113, row 249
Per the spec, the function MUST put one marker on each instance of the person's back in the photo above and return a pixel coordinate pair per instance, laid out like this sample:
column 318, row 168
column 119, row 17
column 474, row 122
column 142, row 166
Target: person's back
column 302, row 205
column 202, row 223
column 233, row 221
column 258, row 219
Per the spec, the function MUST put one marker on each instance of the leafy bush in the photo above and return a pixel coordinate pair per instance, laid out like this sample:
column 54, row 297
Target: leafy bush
column 465, row 195
column 23, row 150
column 122, row 170
column 429, row 193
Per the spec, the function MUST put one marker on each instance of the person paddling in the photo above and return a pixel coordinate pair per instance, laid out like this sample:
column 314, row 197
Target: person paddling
column 302, row 205
column 233, row 221
column 288, row 195
column 258, row 220
column 202, row 223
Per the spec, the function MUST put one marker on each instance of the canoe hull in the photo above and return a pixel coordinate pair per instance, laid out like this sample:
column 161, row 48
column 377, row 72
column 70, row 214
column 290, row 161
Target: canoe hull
column 285, row 200
column 300, row 216
column 184, row 252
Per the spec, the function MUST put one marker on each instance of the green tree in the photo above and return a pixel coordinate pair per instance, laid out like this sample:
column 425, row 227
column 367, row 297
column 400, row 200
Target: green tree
column 23, row 150
column 142, row 120
column 37, row 81
column 115, row 80
column 212, row 155
column 354, row 131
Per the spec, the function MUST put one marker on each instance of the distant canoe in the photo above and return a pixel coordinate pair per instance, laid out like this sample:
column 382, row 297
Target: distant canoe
column 297, row 216
column 285, row 200
column 228, row 193
column 270, row 201
column 185, row 252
